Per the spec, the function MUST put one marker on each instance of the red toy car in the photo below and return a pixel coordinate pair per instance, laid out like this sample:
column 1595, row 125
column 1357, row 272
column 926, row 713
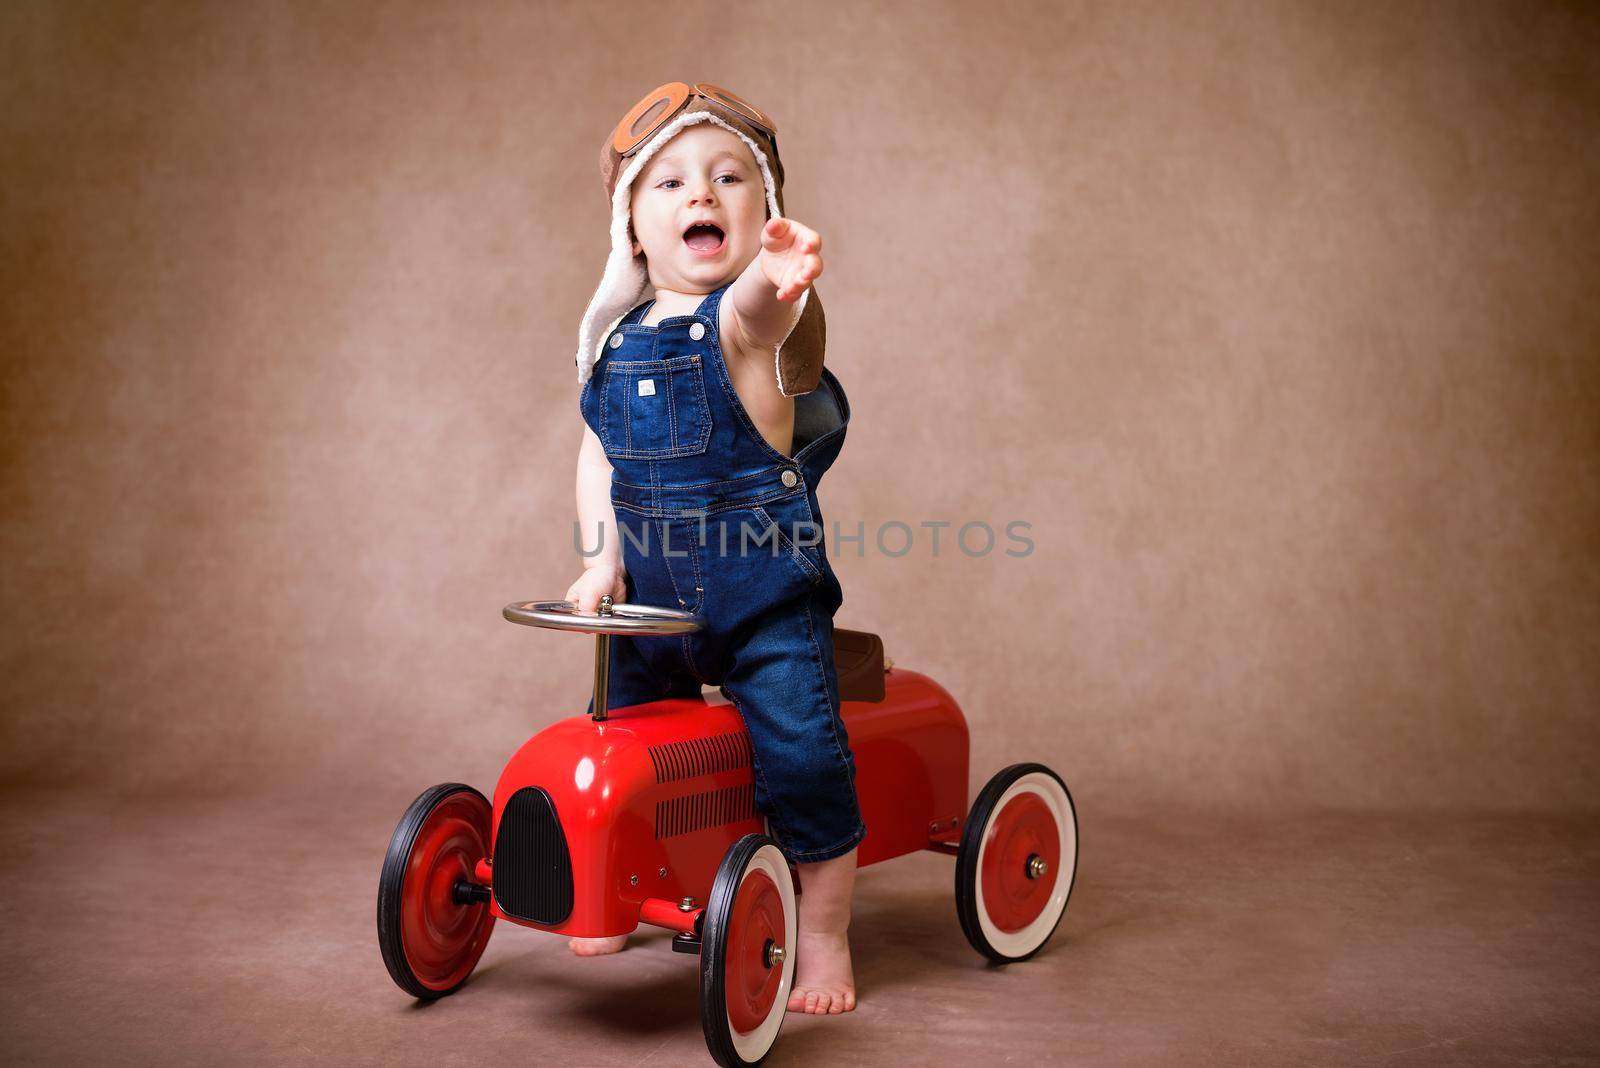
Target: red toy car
column 648, row 815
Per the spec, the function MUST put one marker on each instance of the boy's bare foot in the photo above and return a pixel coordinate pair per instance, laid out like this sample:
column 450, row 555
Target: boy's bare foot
column 823, row 981
column 824, row 985
column 594, row 947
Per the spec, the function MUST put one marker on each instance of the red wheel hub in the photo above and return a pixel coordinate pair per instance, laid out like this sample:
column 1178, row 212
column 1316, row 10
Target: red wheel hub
column 443, row 940
column 751, row 985
column 1024, row 829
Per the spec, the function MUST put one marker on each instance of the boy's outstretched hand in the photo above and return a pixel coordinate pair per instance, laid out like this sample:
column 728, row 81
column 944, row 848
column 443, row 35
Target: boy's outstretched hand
column 791, row 256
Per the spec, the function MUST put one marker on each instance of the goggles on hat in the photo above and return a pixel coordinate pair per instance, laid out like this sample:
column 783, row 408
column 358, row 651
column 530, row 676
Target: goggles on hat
column 665, row 101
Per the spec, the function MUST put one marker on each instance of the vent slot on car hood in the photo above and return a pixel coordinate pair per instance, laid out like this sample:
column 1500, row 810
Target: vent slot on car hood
column 712, row 808
column 700, row 756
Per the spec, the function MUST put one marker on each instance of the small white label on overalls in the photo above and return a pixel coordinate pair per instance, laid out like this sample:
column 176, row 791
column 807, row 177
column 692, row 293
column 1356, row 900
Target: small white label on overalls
column 647, row 387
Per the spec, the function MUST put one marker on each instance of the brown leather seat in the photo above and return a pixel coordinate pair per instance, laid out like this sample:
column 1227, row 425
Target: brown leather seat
column 858, row 657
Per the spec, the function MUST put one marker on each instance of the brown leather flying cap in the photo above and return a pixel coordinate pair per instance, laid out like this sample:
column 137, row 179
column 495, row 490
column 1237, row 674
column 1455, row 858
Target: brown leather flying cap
column 657, row 107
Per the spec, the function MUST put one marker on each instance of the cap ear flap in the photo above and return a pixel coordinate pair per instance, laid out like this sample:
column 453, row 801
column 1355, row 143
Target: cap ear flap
column 610, row 163
column 800, row 355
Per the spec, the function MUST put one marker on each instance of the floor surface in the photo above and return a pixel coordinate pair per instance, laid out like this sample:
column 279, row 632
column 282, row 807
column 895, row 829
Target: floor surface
column 242, row 932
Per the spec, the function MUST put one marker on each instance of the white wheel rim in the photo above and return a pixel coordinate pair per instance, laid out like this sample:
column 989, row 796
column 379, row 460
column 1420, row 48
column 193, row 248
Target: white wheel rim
column 1022, row 942
column 753, row 1045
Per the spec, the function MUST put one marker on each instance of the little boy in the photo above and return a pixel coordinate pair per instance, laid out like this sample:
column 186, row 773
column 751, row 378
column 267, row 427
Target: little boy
column 711, row 419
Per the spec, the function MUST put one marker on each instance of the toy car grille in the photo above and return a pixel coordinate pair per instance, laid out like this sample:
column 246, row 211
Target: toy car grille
column 700, row 756
column 532, row 867
column 712, row 808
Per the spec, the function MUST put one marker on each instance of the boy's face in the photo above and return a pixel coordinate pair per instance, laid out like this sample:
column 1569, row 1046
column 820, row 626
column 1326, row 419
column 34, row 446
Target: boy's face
column 704, row 174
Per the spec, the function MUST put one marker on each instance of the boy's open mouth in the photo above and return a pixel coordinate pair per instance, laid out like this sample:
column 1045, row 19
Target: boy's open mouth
column 704, row 238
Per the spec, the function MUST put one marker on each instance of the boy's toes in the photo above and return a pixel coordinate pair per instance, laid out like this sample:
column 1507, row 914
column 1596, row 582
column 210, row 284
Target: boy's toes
column 803, row 1000
column 594, row 947
column 821, row 1002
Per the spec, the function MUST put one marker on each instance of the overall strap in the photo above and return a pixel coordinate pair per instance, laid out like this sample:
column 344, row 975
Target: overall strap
column 636, row 316
column 713, row 300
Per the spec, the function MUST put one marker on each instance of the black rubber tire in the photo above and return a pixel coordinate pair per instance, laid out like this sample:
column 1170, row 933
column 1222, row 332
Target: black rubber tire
column 967, row 860
column 391, row 885
column 714, row 948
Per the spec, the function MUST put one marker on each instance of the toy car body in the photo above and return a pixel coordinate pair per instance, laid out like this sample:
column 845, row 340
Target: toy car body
column 598, row 826
column 648, row 815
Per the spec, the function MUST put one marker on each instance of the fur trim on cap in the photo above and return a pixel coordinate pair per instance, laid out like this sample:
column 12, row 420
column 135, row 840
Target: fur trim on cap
column 626, row 276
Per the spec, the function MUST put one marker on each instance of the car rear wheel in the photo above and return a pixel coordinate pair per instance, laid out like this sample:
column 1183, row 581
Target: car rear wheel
column 747, row 952
column 430, row 932
column 1017, row 862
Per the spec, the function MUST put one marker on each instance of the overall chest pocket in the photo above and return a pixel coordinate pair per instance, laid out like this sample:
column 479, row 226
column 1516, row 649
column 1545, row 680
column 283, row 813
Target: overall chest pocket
column 655, row 409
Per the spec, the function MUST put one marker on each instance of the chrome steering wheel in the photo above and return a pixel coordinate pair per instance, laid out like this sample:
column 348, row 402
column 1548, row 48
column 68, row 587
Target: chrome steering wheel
column 611, row 618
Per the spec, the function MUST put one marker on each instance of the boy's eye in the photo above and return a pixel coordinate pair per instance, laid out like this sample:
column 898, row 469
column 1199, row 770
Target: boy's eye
column 673, row 183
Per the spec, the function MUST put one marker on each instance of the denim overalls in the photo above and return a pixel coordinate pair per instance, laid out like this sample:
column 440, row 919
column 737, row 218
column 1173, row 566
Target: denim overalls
column 693, row 480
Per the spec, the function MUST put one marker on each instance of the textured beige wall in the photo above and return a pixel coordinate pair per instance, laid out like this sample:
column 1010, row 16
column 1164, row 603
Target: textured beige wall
column 1276, row 321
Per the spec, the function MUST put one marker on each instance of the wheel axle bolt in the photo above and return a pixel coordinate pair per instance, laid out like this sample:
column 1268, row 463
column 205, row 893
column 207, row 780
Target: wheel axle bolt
column 774, row 954
column 686, row 905
column 1037, row 867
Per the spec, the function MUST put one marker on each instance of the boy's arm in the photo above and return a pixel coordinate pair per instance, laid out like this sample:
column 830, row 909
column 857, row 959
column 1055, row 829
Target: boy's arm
column 597, row 522
column 763, row 299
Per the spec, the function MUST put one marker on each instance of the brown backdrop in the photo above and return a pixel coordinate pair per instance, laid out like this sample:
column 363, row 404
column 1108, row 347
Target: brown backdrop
column 1276, row 322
